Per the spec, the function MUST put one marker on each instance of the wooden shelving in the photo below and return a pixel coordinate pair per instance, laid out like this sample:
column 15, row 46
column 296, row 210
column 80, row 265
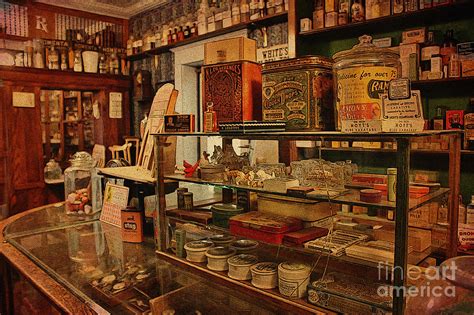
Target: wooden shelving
column 265, row 21
column 439, row 82
column 457, row 10
column 413, row 151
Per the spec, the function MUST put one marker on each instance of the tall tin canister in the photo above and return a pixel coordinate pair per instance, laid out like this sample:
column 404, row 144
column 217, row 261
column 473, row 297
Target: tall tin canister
column 300, row 92
column 361, row 75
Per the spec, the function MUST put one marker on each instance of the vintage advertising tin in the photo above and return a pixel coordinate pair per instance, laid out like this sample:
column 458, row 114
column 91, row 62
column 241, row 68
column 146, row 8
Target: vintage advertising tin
column 362, row 74
column 299, row 91
column 234, row 89
column 132, row 225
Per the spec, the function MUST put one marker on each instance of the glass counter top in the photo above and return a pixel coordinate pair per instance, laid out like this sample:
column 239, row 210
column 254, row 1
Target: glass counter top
column 90, row 259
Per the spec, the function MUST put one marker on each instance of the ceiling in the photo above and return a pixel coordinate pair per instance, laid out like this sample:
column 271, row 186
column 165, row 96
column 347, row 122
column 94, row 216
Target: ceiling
column 116, row 8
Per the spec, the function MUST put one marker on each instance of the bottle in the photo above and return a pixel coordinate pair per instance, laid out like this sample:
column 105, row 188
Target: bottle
column 469, row 127
column 462, row 212
column 244, row 11
column 130, row 46
column 391, row 184
column 187, row 31
column 270, row 7
column 77, row 61
column 427, row 51
column 170, row 37
column 193, row 30
column 279, row 6
column 254, row 10
column 470, row 212
column 235, row 12
column 262, row 9
column 210, row 118
column 63, row 59
column 358, row 11
column 53, row 59
column 454, row 67
column 174, row 35
column 180, row 35
column 70, row 57
column 102, row 65
column 202, row 18
column 437, row 123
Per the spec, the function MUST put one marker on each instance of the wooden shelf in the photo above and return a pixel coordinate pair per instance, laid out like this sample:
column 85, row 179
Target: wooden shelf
column 457, row 10
column 265, row 21
column 414, row 151
column 13, row 37
column 350, row 198
column 438, row 82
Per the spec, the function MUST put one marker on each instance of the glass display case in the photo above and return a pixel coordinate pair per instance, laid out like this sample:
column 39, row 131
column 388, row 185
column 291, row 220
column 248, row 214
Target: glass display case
column 89, row 259
column 369, row 245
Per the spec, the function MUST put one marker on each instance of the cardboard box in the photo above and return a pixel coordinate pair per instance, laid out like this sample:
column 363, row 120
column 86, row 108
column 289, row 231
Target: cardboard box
column 418, row 238
column 179, row 123
column 467, row 68
column 318, row 19
column 454, row 119
column 405, row 51
column 414, row 36
column 228, row 50
column 424, row 217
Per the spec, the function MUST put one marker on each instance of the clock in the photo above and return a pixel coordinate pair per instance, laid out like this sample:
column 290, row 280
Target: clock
column 142, row 88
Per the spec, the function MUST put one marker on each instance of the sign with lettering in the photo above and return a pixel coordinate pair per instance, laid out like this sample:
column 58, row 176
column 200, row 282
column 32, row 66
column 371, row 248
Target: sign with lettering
column 23, row 99
column 273, row 53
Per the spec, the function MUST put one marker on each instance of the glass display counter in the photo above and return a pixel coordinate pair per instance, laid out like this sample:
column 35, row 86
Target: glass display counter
column 89, row 259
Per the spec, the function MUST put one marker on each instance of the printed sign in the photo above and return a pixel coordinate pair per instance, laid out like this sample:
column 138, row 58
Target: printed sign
column 273, row 53
column 23, row 99
column 115, row 199
column 115, row 105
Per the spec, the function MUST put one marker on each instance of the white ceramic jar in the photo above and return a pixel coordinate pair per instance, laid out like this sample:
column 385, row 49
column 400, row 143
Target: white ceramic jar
column 293, row 279
column 217, row 258
column 239, row 266
column 264, row 275
column 196, row 250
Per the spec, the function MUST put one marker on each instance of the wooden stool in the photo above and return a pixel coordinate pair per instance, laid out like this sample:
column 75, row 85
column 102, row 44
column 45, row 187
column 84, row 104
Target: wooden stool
column 124, row 149
column 136, row 142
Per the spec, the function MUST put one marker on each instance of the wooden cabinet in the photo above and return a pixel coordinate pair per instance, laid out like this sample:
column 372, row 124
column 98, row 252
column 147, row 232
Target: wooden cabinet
column 22, row 149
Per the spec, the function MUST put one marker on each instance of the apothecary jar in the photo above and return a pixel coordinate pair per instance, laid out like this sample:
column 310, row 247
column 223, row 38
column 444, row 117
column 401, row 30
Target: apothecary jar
column 77, row 184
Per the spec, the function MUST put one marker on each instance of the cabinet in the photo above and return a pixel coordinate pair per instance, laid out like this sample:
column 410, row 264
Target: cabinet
column 345, row 264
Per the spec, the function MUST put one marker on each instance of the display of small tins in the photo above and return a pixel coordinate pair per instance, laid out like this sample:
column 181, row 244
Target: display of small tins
column 222, row 239
column 371, row 195
column 264, row 275
column 244, row 246
column 239, row 266
column 217, row 258
column 196, row 250
column 293, row 278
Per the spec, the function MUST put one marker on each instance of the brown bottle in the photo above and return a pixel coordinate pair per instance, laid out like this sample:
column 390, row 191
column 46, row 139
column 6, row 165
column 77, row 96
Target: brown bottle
column 180, row 35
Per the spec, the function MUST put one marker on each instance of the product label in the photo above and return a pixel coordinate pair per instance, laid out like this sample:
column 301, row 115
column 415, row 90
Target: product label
column 359, row 90
column 289, row 288
column 468, row 128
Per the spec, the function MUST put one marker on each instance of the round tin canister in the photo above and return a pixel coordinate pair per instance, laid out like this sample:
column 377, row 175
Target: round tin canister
column 217, row 258
column 239, row 266
column 361, row 76
column 196, row 250
column 293, row 278
column 188, row 201
column 244, row 246
column 264, row 275
column 300, row 92
column 180, row 197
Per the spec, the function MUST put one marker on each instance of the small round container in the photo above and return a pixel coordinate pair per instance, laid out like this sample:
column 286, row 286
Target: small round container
column 222, row 212
column 293, row 279
column 264, row 275
column 239, row 266
column 371, row 195
column 244, row 246
column 217, row 258
column 222, row 239
column 196, row 250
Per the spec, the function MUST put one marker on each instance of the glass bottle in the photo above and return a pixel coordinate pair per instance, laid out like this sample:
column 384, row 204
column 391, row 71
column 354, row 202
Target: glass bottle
column 187, row 31
column 235, row 12
column 448, row 48
column 77, row 184
column 53, row 59
column 70, row 57
column 52, row 170
column 180, row 34
column 427, row 51
column 244, row 11
column 454, row 67
column 193, row 30
column 437, row 123
column 262, row 9
column 254, row 10
column 174, row 35
column 210, row 119
column 170, row 37
column 102, row 65
column 63, row 59
column 77, row 61
column 38, row 60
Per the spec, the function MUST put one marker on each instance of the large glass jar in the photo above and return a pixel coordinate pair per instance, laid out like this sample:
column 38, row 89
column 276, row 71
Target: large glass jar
column 52, row 170
column 77, row 184
column 361, row 75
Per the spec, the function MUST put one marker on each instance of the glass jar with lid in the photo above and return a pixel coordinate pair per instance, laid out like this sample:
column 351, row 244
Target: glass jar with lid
column 77, row 184
column 361, row 75
column 52, row 170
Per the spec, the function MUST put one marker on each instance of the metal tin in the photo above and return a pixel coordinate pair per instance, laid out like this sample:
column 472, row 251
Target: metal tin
column 391, row 184
column 179, row 195
column 239, row 266
column 361, row 75
column 188, row 201
column 293, row 278
column 264, row 275
column 180, row 236
column 299, row 91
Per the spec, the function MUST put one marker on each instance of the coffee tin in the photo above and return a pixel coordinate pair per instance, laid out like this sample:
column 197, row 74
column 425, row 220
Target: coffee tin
column 299, row 92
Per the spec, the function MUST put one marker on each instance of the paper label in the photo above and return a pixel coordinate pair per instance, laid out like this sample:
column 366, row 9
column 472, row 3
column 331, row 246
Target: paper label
column 115, row 105
column 23, row 99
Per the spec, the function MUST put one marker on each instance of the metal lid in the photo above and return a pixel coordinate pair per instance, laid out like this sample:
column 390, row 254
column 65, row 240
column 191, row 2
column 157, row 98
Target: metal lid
column 220, row 252
column 265, row 268
column 221, row 238
column 82, row 159
column 364, row 49
column 294, row 270
column 392, row 171
column 226, row 208
column 305, row 61
column 243, row 260
column 244, row 244
column 199, row 244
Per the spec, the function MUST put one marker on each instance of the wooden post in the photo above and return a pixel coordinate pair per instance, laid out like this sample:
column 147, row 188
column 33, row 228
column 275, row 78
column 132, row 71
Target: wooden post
column 401, row 225
column 453, row 210
column 159, row 216
column 292, row 28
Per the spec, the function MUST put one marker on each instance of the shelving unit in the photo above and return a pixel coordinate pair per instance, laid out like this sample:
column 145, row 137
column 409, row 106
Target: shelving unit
column 401, row 206
column 265, row 21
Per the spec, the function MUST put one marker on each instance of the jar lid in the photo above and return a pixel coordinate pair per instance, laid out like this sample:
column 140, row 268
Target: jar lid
column 220, row 252
column 202, row 244
column 243, row 260
column 364, row 48
column 294, row 270
column 226, row 207
column 82, row 159
column 265, row 268
column 244, row 244
column 392, row 171
column 221, row 238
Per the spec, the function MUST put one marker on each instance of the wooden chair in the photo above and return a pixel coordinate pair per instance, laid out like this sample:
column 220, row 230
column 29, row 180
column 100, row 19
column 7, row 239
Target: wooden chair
column 136, row 142
column 98, row 154
column 124, row 150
